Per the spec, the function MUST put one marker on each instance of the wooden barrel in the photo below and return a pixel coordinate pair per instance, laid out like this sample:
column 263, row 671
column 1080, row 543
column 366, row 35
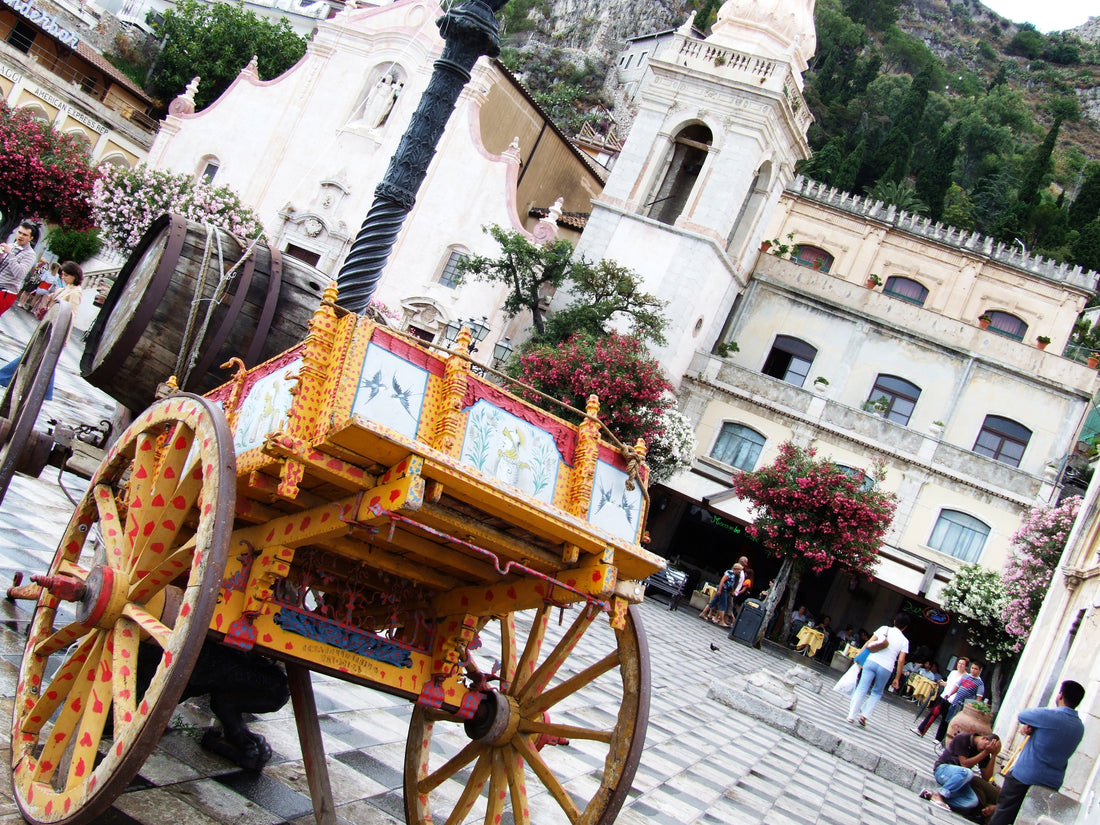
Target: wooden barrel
column 136, row 341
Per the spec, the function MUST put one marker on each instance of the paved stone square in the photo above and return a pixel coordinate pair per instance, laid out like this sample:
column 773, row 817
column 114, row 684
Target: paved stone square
column 704, row 762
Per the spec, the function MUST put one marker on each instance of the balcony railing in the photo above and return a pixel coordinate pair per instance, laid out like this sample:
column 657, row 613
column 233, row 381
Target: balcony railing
column 90, row 85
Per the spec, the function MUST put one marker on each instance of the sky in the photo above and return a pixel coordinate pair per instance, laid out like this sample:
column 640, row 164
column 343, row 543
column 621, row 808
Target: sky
column 1048, row 15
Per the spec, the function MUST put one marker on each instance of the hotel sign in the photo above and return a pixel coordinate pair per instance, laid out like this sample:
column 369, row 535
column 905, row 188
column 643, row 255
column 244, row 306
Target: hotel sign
column 46, row 22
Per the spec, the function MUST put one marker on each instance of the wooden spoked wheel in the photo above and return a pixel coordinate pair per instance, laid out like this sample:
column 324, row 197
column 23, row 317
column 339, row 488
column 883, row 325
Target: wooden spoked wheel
column 22, row 400
column 511, row 755
column 141, row 561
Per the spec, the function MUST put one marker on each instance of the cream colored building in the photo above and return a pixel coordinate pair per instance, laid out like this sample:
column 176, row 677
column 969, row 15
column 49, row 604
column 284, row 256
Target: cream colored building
column 53, row 73
column 307, row 149
column 1063, row 645
column 972, row 424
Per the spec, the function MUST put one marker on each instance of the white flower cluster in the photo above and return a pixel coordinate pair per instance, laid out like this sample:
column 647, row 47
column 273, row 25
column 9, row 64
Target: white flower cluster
column 673, row 449
column 125, row 202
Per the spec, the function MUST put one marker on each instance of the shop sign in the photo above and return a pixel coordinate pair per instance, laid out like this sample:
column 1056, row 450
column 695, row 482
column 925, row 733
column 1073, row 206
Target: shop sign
column 44, row 21
column 10, row 74
column 930, row 613
column 71, row 111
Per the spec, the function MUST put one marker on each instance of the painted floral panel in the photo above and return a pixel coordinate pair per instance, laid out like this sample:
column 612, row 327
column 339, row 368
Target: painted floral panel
column 511, row 450
column 265, row 408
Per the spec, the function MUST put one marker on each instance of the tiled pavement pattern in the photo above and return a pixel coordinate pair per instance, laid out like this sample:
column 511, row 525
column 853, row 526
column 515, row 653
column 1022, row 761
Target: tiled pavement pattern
column 703, row 763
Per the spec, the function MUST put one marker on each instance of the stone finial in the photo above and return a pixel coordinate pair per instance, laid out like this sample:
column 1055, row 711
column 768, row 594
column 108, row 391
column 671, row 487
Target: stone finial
column 184, row 104
column 253, row 67
column 689, row 25
column 556, row 209
column 512, row 152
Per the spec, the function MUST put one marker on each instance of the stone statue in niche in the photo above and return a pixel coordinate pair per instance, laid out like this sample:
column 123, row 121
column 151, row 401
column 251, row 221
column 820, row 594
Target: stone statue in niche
column 379, row 102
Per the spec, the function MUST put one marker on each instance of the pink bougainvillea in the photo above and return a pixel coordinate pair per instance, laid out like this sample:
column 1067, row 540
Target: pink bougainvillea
column 815, row 513
column 1036, row 548
column 44, row 173
column 617, row 368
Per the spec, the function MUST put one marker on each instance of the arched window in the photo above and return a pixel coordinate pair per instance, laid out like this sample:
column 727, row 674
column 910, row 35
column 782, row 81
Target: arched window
column 814, row 256
column 867, row 482
column 1007, row 324
column 208, row 169
column 907, row 289
column 450, row 276
column 959, row 535
column 900, row 397
column 739, row 446
column 789, row 360
column 749, row 212
column 1002, row 439
column 117, row 159
column 689, row 152
column 38, row 112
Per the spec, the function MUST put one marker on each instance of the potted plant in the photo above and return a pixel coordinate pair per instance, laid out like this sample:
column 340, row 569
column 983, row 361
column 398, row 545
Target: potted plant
column 873, row 280
column 984, row 321
column 726, row 349
column 765, row 246
column 1042, row 341
column 936, row 428
column 778, row 248
column 879, row 405
column 820, row 383
column 1094, row 359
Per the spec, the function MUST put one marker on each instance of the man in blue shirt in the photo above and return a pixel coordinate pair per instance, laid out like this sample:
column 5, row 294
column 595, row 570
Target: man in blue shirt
column 1054, row 735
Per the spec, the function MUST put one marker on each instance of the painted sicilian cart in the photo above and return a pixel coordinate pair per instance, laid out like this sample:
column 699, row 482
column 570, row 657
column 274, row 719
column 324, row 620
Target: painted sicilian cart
column 363, row 507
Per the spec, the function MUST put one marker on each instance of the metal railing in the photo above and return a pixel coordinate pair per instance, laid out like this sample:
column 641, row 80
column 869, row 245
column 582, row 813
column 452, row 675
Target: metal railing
column 91, row 86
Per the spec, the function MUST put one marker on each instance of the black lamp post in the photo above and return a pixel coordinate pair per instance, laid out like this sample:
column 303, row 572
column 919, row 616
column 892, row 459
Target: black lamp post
column 502, row 351
column 469, row 30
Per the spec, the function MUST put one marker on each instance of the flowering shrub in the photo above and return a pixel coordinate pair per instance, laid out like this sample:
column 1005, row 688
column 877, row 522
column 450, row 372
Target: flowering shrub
column 617, row 368
column 44, row 173
column 813, row 512
column 1036, row 548
column 671, row 446
column 977, row 597
column 125, row 203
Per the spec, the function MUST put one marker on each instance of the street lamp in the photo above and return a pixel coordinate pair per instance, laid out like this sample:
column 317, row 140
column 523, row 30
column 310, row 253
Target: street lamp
column 478, row 331
column 502, row 351
column 450, row 332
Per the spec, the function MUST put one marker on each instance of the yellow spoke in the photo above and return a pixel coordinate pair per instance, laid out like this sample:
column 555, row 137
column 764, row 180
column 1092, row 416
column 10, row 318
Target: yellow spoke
column 58, row 689
column 498, row 789
column 452, row 766
column 469, row 794
column 124, row 656
column 565, row 731
column 161, row 633
column 507, row 651
column 546, row 776
column 86, row 739
column 175, row 492
column 517, row 786
column 73, row 710
column 163, row 570
column 141, row 482
column 541, row 677
column 110, row 525
column 60, row 639
column 549, row 698
column 531, row 650
column 71, row 568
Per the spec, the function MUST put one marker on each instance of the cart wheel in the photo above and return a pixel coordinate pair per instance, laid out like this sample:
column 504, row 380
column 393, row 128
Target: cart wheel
column 27, row 389
column 142, row 558
column 513, row 753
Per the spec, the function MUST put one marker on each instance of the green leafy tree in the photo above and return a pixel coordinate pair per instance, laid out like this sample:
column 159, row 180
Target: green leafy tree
column 1039, row 168
column 215, row 41
column 603, row 292
column 1086, row 250
column 934, row 179
column 812, row 515
column 958, row 209
column 607, row 291
column 526, row 268
column 74, row 244
column 978, row 598
column 825, row 163
column 902, row 195
column 1086, row 206
column 1027, row 42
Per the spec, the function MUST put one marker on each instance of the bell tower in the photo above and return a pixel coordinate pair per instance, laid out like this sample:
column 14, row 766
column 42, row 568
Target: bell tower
column 720, row 127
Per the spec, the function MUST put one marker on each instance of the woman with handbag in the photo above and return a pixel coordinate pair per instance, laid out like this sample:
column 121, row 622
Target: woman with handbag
column 886, row 652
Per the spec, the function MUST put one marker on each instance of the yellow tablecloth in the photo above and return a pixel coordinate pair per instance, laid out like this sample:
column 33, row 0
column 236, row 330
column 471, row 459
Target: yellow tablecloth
column 922, row 688
column 709, row 590
column 813, row 639
column 851, row 651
